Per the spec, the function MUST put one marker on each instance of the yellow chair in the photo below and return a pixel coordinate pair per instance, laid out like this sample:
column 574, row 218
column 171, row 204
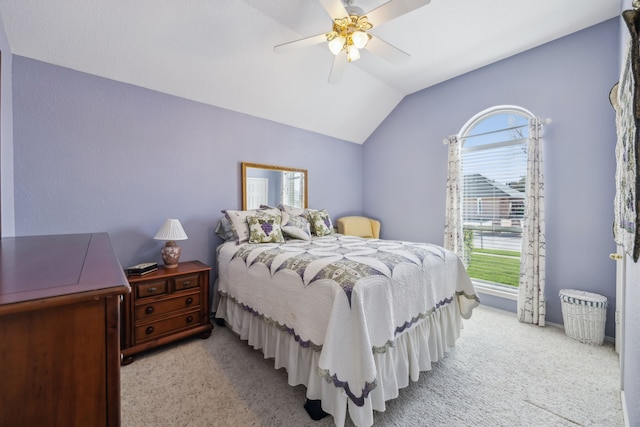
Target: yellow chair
column 359, row 226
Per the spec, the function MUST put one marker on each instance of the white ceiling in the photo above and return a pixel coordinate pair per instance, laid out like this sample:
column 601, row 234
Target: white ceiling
column 220, row 52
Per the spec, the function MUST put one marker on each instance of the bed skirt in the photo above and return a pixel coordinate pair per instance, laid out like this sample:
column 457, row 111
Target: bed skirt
column 412, row 352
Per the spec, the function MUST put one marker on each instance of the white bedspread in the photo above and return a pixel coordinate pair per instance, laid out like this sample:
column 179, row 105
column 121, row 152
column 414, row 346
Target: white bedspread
column 347, row 298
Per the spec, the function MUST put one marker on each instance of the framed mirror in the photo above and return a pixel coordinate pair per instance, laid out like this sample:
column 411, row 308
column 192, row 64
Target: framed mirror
column 272, row 185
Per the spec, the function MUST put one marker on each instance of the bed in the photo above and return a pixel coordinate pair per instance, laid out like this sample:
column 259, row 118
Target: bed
column 351, row 319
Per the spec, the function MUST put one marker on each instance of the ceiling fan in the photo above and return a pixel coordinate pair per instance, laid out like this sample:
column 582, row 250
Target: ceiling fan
column 350, row 33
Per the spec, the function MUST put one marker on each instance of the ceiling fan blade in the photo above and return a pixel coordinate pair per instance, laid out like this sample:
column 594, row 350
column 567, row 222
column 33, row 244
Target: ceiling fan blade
column 334, row 8
column 394, row 9
column 386, row 51
column 308, row 41
column 337, row 69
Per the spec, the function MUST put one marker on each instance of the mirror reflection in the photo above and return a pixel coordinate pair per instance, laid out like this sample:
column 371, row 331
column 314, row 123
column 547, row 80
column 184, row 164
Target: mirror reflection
column 272, row 185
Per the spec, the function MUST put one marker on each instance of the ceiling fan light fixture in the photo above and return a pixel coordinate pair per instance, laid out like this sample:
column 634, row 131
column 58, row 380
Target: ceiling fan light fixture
column 353, row 53
column 350, row 32
column 336, row 44
column 360, row 39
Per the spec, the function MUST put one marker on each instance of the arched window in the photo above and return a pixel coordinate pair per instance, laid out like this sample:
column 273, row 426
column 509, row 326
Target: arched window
column 493, row 182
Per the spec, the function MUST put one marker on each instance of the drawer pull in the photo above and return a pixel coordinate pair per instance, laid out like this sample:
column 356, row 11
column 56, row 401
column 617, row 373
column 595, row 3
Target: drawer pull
column 152, row 290
column 149, row 330
column 189, row 301
column 149, row 310
column 189, row 319
column 187, row 282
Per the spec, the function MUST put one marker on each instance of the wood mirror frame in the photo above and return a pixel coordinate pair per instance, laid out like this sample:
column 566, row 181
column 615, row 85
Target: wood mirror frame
column 256, row 170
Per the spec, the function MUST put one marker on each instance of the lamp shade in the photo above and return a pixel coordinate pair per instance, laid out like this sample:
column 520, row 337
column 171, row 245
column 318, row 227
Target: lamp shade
column 171, row 230
column 360, row 39
column 336, row 45
column 353, row 54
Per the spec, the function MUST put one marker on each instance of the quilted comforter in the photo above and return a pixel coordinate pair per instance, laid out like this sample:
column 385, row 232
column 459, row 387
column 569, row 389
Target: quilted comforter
column 344, row 296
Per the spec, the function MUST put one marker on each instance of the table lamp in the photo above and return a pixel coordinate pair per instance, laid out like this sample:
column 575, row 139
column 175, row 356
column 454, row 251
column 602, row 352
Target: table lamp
column 171, row 231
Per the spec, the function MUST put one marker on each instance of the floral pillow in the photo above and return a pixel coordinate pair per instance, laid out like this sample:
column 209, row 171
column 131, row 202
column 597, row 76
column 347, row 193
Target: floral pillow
column 264, row 228
column 297, row 227
column 320, row 222
column 239, row 223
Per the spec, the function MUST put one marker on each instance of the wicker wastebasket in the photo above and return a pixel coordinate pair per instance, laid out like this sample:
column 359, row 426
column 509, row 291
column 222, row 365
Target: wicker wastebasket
column 584, row 315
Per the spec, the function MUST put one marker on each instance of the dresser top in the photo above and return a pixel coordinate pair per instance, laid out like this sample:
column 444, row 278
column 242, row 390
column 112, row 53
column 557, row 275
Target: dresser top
column 36, row 267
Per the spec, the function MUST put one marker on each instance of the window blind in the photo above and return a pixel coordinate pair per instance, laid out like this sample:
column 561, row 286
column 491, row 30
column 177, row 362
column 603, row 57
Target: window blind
column 493, row 195
column 290, row 188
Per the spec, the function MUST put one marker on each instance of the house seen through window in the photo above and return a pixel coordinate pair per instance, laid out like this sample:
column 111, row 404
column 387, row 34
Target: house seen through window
column 494, row 170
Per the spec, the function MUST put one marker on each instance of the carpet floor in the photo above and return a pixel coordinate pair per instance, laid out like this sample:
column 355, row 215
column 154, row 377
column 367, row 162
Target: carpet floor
column 501, row 373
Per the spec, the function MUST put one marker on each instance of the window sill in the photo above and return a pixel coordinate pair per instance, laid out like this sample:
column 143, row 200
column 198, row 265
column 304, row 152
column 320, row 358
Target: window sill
column 496, row 290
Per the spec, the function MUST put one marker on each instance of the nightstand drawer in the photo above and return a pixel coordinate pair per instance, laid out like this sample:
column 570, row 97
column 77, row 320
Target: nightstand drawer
column 156, row 308
column 169, row 325
column 157, row 287
column 186, row 282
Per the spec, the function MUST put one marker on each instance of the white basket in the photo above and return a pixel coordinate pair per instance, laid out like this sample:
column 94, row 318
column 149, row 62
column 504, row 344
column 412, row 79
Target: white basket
column 584, row 315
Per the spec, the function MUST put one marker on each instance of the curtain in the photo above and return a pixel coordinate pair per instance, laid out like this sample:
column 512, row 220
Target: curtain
column 627, row 105
column 531, row 300
column 453, row 233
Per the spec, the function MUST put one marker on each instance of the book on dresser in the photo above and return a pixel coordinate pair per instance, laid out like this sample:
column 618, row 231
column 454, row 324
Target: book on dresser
column 142, row 269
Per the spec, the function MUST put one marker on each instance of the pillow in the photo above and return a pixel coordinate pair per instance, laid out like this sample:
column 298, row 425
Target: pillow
column 297, row 227
column 285, row 215
column 320, row 222
column 264, row 228
column 292, row 211
column 239, row 224
column 224, row 230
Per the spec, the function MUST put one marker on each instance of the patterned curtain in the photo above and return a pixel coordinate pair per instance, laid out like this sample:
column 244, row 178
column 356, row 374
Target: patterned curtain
column 627, row 105
column 531, row 300
column 453, row 233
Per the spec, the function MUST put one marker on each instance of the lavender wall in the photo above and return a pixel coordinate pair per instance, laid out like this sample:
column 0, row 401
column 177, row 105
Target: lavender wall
column 92, row 154
column 7, row 218
column 568, row 80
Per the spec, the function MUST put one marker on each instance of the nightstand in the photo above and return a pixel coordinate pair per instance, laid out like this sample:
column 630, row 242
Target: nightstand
column 165, row 306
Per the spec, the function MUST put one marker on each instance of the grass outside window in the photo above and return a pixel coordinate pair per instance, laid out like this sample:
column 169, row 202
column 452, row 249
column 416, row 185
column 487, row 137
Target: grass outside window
column 496, row 266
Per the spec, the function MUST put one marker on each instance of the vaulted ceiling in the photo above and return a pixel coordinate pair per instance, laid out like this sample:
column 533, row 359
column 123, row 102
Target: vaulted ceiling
column 220, row 52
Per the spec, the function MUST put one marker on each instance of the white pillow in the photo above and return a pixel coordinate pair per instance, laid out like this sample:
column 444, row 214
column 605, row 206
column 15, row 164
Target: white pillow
column 297, row 227
column 292, row 211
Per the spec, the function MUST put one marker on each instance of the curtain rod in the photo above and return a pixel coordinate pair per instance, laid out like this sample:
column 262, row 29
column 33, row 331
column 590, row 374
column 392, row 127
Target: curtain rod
column 546, row 121
column 494, row 131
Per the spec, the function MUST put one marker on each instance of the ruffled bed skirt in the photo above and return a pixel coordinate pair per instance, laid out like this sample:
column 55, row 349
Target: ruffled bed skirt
column 412, row 352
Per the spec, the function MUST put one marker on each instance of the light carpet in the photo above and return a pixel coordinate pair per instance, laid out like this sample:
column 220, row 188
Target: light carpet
column 501, row 373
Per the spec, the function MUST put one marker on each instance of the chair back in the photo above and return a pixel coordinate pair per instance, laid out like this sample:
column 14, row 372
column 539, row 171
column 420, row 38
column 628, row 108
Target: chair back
column 359, row 226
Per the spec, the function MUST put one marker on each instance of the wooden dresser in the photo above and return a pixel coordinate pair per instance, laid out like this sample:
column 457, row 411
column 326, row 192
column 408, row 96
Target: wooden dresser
column 164, row 306
column 59, row 331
